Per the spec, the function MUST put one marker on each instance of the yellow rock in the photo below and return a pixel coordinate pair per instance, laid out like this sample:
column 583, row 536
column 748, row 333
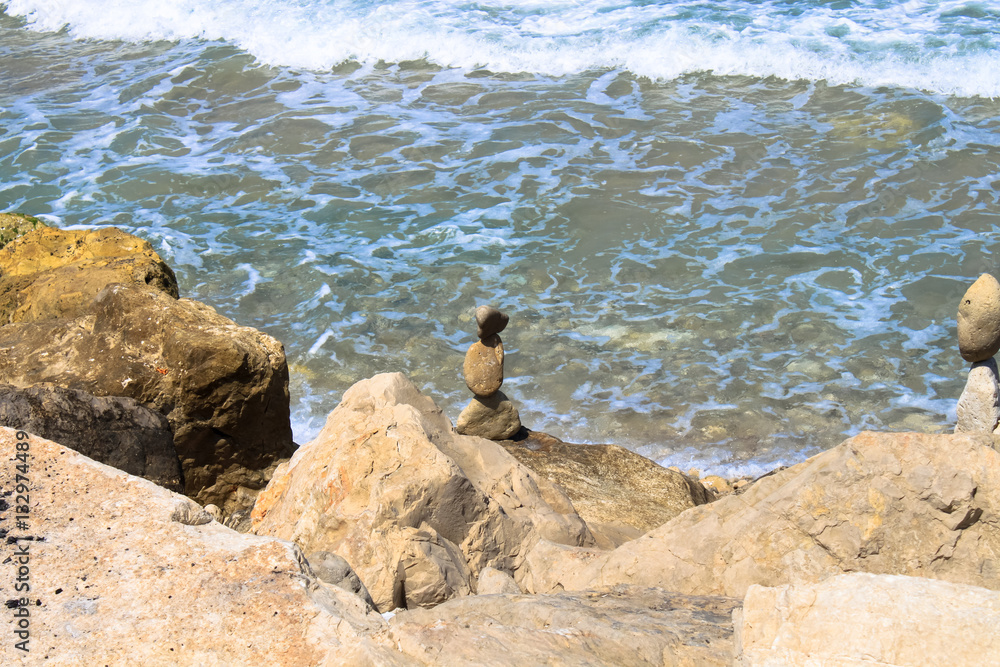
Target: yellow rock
column 717, row 484
column 55, row 273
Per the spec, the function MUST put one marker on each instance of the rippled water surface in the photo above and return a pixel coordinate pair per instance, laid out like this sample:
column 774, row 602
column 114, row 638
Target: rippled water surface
column 721, row 268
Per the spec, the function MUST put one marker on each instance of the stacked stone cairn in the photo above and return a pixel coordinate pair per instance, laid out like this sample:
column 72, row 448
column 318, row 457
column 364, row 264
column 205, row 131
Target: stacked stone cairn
column 490, row 414
column 978, row 340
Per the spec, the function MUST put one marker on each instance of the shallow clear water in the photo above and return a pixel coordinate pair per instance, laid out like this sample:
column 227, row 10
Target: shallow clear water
column 729, row 268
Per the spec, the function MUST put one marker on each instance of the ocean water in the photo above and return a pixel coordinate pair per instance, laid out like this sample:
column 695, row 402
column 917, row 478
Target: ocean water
column 728, row 234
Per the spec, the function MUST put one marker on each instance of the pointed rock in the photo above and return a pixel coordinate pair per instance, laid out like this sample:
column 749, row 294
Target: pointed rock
column 979, row 405
column 493, row 417
column 416, row 509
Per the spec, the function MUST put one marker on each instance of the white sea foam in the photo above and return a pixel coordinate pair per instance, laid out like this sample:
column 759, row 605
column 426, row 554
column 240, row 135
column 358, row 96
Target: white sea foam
column 919, row 44
column 253, row 278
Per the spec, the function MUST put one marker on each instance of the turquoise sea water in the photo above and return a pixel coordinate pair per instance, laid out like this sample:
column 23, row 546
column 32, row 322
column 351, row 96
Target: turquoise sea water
column 728, row 233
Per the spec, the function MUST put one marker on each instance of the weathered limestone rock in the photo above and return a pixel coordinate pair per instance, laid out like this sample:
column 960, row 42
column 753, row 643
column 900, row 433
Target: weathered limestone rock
column 494, row 582
column 431, row 568
column 483, row 366
column 490, row 321
column 979, row 320
column 56, row 273
column 120, row 579
column 416, row 509
column 865, row 619
column 493, row 418
column 621, row 495
column 615, row 626
column 979, row 405
column 334, row 569
column 886, row 503
column 223, row 387
column 114, row 430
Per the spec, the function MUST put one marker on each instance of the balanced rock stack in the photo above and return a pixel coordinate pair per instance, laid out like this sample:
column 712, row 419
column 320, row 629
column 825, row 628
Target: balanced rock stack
column 978, row 341
column 490, row 414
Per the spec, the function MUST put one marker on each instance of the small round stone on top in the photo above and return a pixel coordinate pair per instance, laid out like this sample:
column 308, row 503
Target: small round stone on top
column 489, row 321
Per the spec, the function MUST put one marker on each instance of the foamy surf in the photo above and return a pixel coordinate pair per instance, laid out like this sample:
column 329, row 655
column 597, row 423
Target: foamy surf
column 951, row 48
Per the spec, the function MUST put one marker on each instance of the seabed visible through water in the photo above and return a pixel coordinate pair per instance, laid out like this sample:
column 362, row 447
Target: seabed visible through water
column 729, row 272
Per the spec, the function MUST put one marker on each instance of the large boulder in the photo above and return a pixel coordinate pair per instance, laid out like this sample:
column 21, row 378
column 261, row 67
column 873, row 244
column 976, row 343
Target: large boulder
column 114, row 430
column 415, row 508
column 55, row 273
column 886, row 503
column 124, row 572
column 865, row 619
column 620, row 494
column 223, row 387
column 622, row 625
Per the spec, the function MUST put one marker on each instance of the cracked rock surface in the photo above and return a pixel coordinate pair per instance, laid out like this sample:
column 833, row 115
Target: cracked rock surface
column 884, row 503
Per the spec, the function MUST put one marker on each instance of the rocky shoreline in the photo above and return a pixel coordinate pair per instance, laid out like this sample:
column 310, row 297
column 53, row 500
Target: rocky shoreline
column 136, row 420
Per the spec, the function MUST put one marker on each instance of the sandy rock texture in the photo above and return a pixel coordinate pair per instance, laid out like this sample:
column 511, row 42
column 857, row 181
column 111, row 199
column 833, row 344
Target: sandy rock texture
column 885, row 503
column 416, row 509
column 495, row 582
column 865, row 619
column 223, row 387
column 55, row 273
column 124, row 572
column 114, row 430
column 621, row 625
column 621, row 495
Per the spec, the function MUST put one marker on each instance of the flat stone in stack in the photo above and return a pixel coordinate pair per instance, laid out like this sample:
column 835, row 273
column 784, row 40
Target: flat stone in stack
column 493, row 418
